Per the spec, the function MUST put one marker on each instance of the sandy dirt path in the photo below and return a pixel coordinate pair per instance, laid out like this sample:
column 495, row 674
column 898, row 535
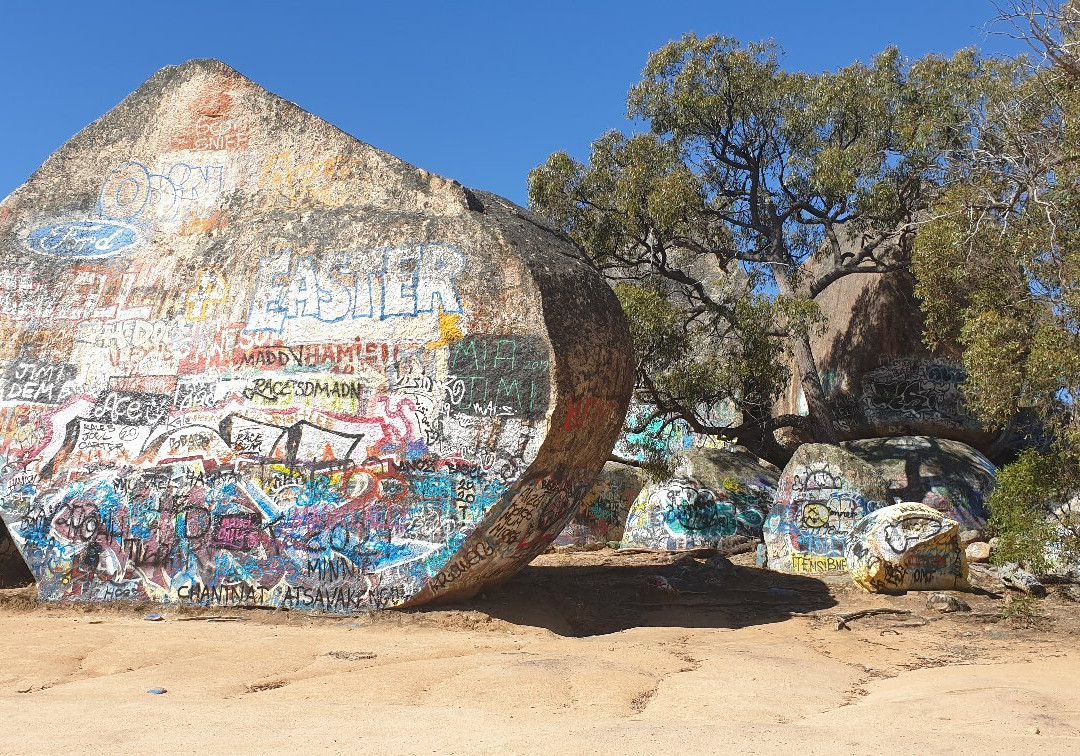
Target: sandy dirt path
column 578, row 654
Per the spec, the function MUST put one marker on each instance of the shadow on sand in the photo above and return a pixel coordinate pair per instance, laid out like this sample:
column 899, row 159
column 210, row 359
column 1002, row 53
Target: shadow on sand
column 580, row 600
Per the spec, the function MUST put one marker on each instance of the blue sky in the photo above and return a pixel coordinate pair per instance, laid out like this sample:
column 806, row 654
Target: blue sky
column 480, row 92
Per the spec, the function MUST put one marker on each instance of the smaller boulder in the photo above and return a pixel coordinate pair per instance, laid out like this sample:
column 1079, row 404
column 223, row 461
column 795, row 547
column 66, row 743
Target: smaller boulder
column 977, row 552
column 943, row 602
column 906, row 546
column 947, row 475
column 1016, row 577
column 601, row 515
column 822, row 492
column 718, row 499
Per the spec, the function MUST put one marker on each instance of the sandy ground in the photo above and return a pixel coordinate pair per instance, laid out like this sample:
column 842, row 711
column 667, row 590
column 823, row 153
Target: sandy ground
column 577, row 654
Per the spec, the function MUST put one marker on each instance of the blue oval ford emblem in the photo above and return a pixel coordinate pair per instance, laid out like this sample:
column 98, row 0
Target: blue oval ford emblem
column 82, row 239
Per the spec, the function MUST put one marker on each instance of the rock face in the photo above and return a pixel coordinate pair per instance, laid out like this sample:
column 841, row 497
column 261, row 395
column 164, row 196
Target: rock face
column 601, row 515
column 663, row 439
column 879, row 376
column 978, row 552
column 822, row 492
column 717, row 498
column 248, row 359
column 906, row 546
column 947, row 475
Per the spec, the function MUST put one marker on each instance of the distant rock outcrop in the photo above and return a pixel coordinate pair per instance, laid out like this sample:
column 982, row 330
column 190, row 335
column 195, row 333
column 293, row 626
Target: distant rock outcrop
column 248, row 359
column 880, row 377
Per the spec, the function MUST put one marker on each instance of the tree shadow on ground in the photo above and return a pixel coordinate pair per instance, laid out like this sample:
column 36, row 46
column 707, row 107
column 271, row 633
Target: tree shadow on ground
column 580, row 600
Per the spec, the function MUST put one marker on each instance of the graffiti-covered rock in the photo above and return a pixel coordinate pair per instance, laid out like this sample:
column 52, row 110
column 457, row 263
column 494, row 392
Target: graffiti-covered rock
column 949, row 476
column 879, row 378
column 904, row 547
column 248, row 359
column 660, row 438
column 717, row 498
column 601, row 515
column 822, row 492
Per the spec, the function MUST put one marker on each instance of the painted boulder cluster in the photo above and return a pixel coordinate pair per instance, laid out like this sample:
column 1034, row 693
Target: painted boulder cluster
column 716, row 499
column 247, row 359
column 822, row 492
column 836, row 511
column 907, row 546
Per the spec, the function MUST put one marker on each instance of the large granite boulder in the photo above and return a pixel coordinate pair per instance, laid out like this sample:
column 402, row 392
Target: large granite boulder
column 717, row 499
column 879, row 376
column 822, row 492
column 601, row 515
column 949, row 476
column 257, row 361
column 906, row 546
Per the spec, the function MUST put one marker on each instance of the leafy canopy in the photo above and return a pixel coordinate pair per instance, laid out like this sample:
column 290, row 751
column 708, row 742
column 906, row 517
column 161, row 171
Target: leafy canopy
column 998, row 269
column 752, row 190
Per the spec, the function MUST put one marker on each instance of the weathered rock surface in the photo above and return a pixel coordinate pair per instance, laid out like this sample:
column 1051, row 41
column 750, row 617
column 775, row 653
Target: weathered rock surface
column 879, row 376
column 906, row 546
column 601, row 515
column 970, row 536
column 716, row 499
column 248, row 359
column 820, row 495
column 949, row 476
column 1016, row 577
column 877, row 373
column 978, row 552
column 945, row 603
column 661, row 439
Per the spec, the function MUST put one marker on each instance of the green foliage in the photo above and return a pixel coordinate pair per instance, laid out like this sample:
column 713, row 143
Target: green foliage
column 1022, row 609
column 1030, row 510
column 745, row 174
column 998, row 269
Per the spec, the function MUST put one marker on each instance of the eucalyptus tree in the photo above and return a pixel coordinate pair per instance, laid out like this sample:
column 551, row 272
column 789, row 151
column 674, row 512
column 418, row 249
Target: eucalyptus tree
column 747, row 190
column 998, row 269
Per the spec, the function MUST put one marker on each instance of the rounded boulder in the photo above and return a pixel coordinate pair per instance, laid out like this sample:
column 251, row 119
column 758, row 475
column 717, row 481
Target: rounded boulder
column 250, row 360
column 822, row 492
column 718, row 498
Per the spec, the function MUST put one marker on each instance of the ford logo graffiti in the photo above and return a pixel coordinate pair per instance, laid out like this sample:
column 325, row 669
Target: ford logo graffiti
column 82, row 239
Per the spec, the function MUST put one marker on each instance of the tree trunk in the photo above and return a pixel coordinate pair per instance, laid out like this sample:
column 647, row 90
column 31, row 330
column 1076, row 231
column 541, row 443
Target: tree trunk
column 821, row 416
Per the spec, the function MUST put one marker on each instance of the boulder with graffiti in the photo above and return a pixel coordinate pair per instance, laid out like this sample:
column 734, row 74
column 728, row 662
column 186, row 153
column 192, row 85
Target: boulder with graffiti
column 658, row 439
column 878, row 376
column 946, row 475
column 601, row 515
column 247, row 359
column 717, row 499
column 906, row 546
column 822, row 492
